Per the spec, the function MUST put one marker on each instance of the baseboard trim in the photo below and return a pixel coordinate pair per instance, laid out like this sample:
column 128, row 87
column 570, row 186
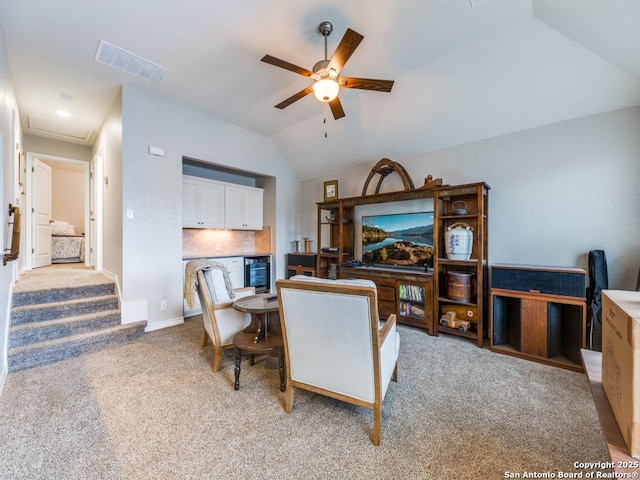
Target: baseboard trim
column 3, row 379
column 172, row 322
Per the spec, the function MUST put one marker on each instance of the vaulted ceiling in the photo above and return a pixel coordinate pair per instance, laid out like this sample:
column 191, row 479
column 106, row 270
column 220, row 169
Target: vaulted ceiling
column 462, row 72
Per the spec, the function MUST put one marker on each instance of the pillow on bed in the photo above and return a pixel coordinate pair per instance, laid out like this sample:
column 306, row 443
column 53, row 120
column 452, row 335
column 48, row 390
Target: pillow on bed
column 62, row 228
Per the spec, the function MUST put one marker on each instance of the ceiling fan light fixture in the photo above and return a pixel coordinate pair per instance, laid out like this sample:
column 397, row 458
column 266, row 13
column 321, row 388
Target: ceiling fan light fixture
column 326, row 89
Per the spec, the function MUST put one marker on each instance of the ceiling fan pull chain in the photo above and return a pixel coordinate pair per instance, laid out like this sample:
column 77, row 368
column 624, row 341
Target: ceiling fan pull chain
column 324, row 120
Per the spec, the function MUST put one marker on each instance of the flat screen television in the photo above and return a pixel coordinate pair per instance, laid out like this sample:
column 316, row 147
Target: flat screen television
column 399, row 240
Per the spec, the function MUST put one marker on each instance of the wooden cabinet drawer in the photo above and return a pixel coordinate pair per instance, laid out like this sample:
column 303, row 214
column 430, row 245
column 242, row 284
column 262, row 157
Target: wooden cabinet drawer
column 385, row 282
column 386, row 293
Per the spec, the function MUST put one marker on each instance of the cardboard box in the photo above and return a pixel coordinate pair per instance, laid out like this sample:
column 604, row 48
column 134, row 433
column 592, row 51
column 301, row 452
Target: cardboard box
column 621, row 362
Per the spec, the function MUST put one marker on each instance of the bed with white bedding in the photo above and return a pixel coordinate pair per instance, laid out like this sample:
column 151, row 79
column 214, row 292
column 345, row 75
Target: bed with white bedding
column 66, row 245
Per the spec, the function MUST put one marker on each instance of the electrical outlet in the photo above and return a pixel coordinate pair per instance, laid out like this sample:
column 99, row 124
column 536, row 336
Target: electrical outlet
column 163, row 305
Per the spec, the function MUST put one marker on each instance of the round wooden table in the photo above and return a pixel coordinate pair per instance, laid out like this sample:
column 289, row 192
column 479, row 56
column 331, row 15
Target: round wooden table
column 262, row 336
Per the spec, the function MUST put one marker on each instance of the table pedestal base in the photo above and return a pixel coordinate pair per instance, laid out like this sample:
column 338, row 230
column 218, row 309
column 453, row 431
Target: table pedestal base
column 271, row 345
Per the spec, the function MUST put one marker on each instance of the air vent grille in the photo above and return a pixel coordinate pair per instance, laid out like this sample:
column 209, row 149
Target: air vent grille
column 120, row 59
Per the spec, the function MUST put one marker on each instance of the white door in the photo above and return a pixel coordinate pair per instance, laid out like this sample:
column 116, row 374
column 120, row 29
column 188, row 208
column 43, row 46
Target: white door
column 41, row 181
column 95, row 210
column 90, row 250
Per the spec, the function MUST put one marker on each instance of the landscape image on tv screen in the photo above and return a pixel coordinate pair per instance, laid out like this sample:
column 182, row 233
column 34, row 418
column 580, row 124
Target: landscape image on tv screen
column 404, row 239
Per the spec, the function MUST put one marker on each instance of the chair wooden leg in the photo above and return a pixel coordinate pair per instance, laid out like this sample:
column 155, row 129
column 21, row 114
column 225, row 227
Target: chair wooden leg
column 217, row 359
column 377, row 424
column 288, row 398
column 281, row 370
column 394, row 376
column 205, row 340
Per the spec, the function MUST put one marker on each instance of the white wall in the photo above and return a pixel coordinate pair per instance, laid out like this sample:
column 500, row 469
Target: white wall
column 8, row 193
column 109, row 141
column 557, row 191
column 152, row 188
column 56, row 148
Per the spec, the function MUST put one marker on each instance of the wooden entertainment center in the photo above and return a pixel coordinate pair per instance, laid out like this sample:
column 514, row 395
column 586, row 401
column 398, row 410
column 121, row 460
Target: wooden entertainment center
column 418, row 298
column 537, row 313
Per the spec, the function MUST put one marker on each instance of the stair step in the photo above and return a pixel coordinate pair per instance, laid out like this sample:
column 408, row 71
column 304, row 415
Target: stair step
column 51, row 351
column 62, row 309
column 32, row 297
column 27, row 333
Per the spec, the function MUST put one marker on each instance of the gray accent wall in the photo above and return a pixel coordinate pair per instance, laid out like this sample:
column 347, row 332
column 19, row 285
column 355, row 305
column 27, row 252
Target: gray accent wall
column 557, row 191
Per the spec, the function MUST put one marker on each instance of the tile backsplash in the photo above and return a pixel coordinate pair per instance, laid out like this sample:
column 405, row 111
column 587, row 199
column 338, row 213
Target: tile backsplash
column 207, row 242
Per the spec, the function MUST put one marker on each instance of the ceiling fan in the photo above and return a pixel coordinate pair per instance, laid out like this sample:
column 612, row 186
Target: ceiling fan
column 326, row 73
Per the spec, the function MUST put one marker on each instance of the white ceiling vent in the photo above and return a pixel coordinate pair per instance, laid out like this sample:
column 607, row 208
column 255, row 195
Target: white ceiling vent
column 59, row 129
column 120, row 59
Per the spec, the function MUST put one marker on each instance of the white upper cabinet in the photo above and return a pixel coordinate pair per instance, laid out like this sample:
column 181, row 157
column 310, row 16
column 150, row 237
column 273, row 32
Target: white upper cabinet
column 212, row 204
column 243, row 207
column 202, row 203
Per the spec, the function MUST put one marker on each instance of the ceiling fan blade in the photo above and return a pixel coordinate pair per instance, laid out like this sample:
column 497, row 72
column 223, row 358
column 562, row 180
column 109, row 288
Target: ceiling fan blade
column 367, row 84
column 346, row 47
column 336, row 108
column 286, row 65
column 295, row 98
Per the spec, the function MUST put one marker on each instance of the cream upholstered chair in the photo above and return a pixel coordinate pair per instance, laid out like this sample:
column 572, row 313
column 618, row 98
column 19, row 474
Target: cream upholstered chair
column 221, row 320
column 334, row 344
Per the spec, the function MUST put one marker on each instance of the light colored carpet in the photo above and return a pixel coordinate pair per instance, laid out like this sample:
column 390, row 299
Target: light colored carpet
column 59, row 276
column 152, row 409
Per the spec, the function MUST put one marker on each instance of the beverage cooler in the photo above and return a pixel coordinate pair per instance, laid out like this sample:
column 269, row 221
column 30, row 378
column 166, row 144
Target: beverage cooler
column 257, row 273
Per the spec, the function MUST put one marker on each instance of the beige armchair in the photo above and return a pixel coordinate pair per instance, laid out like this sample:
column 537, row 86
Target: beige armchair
column 333, row 342
column 221, row 320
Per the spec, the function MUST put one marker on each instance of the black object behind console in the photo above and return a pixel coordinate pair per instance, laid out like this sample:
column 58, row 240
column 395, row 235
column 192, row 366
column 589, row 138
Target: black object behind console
column 598, row 281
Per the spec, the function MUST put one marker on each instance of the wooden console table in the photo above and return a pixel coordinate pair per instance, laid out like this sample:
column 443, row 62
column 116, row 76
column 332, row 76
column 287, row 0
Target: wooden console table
column 618, row 451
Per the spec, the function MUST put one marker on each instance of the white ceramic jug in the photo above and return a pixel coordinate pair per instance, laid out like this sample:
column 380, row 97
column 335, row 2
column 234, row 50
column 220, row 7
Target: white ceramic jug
column 458, row 241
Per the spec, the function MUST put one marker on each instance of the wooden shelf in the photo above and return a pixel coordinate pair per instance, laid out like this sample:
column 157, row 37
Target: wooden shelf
column 444, row 300
column 558, row 361
column 454, row 331
column 475, row 198
column 472, row 262
column 338, row 233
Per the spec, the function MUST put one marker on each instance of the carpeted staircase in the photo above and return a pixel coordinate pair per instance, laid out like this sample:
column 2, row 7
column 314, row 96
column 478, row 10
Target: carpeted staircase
column 52, row 324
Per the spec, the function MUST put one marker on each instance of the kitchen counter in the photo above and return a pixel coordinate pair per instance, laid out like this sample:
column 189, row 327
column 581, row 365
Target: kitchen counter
column 226, row 256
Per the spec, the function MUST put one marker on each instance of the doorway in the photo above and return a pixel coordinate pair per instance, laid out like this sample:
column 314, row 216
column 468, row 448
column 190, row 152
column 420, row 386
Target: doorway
column 58, row 200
